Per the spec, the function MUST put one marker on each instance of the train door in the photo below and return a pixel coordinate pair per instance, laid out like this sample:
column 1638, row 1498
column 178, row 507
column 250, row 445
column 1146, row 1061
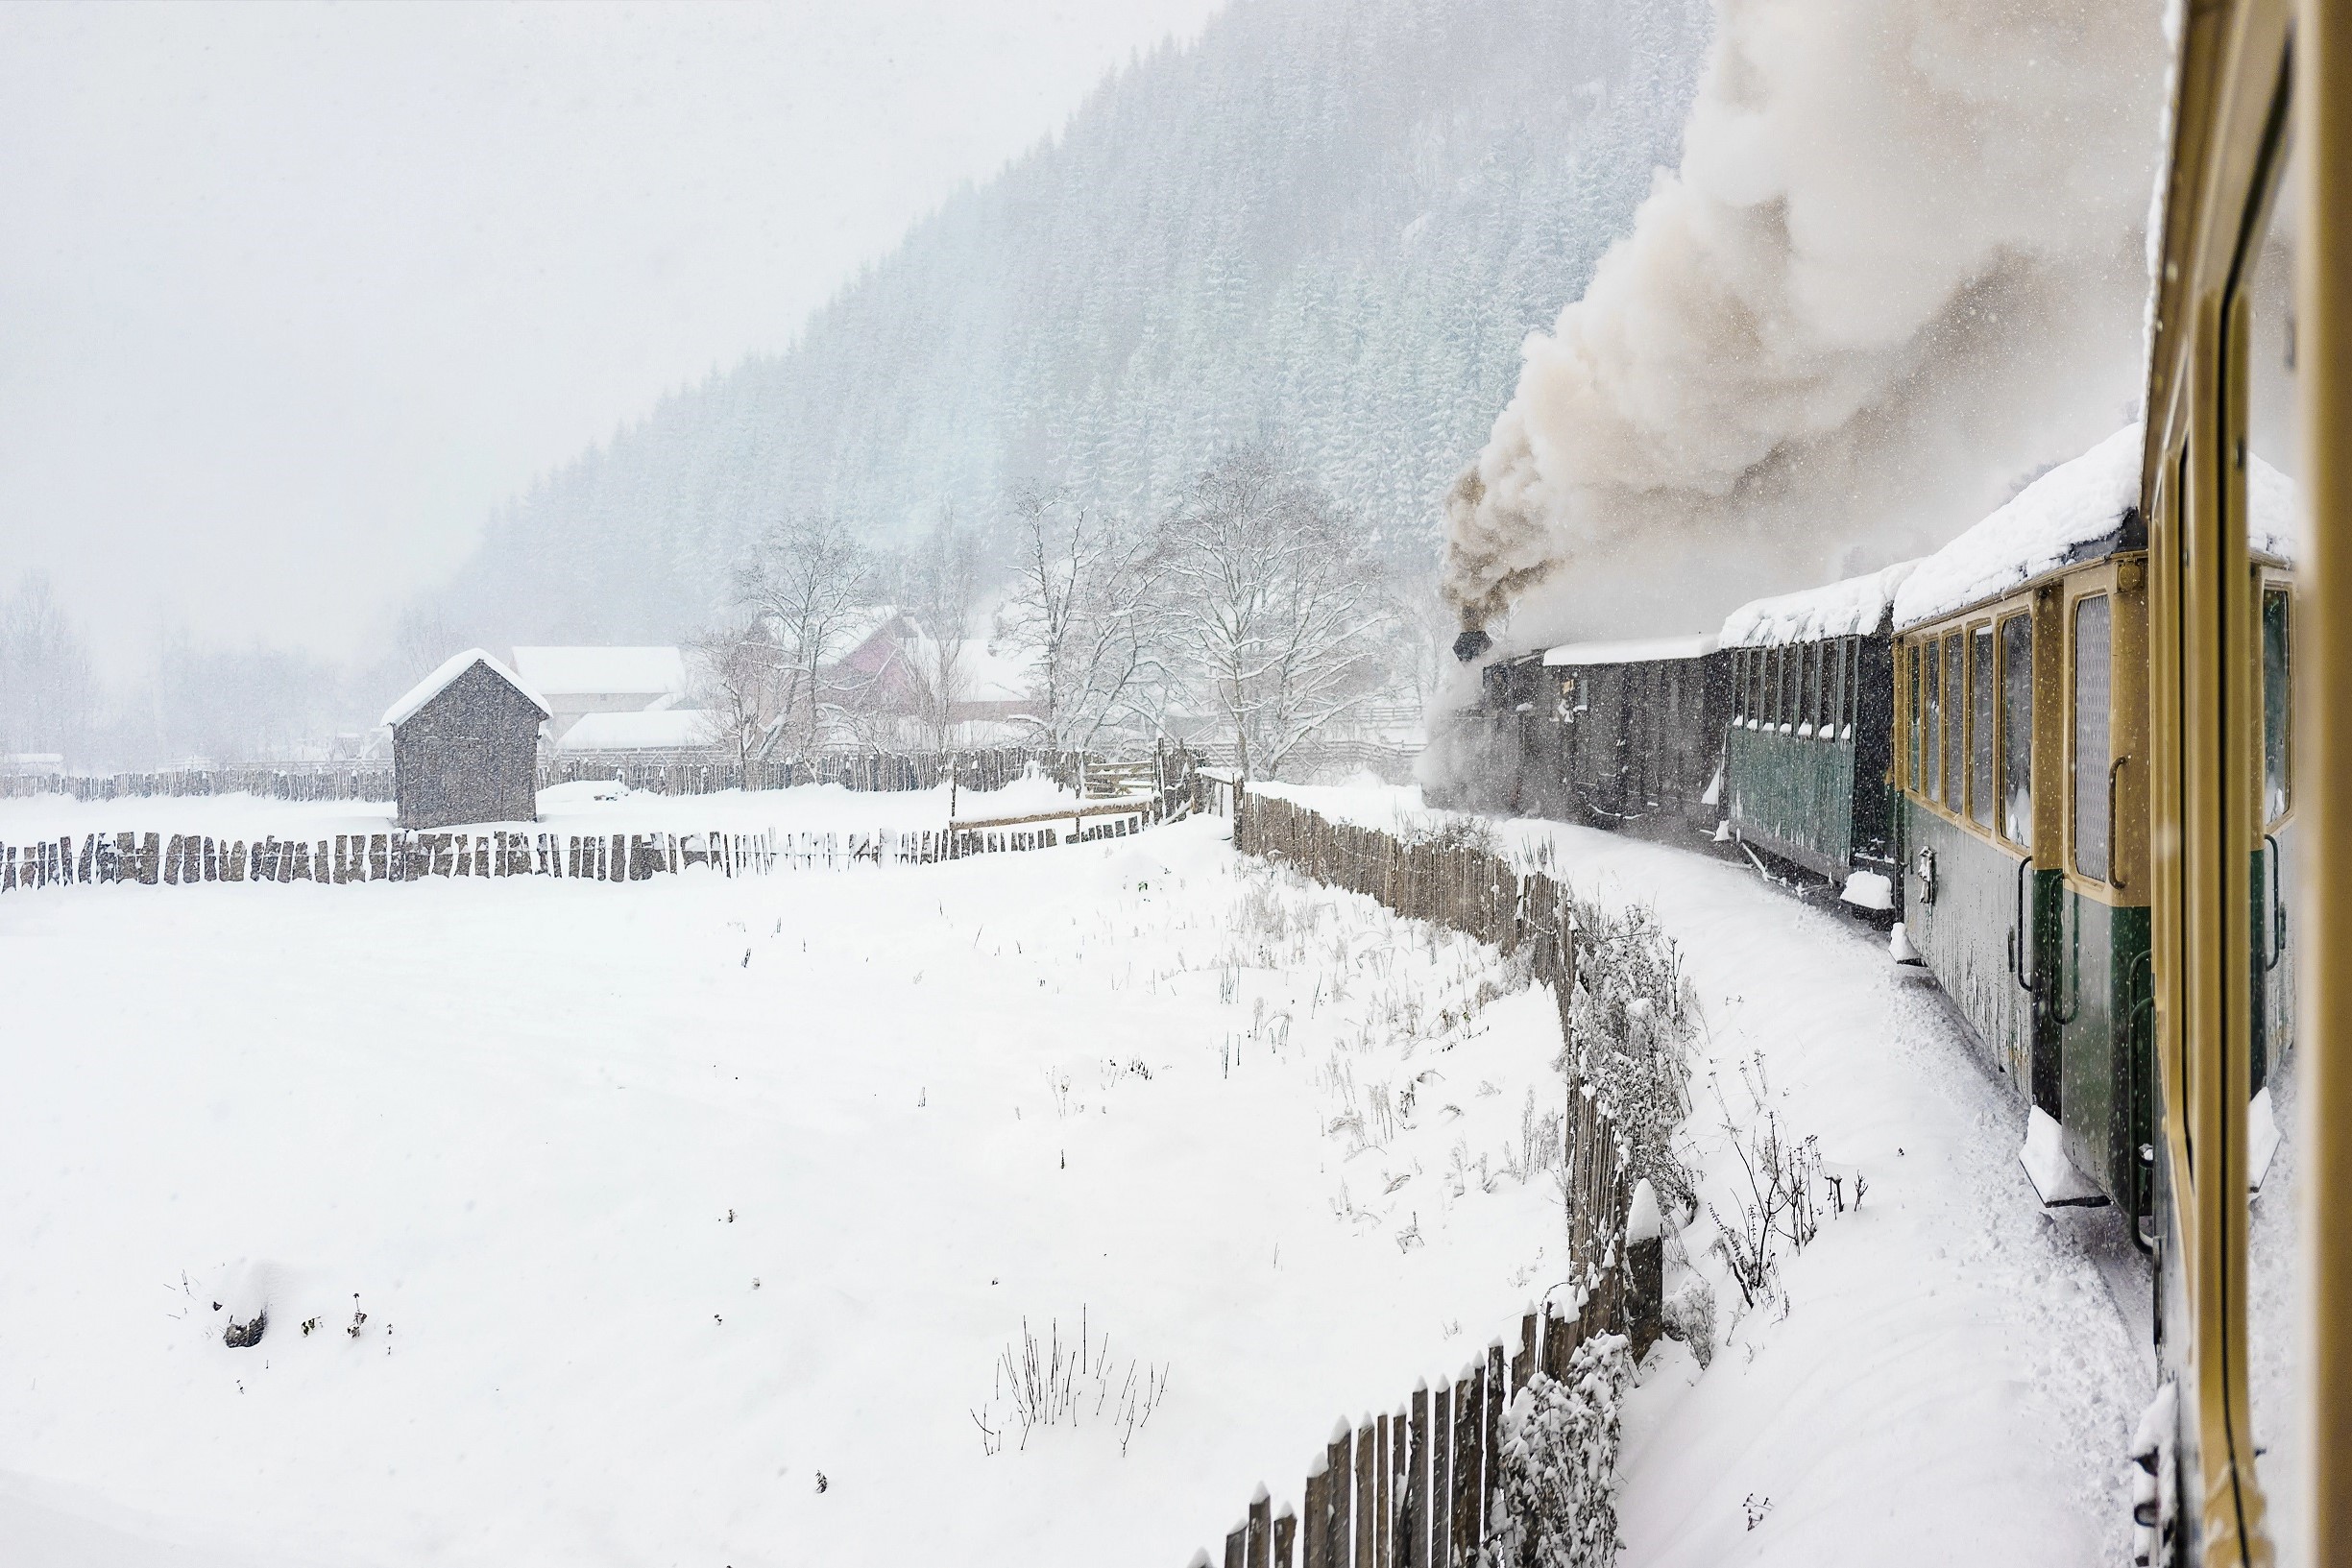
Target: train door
column 2098, row 1003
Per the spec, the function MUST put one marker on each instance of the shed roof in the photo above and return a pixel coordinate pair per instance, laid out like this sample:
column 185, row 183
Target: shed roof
column 600, row 670
column 433, row 685
column 1640, row 651
column 664, row 729
column 1854, row 608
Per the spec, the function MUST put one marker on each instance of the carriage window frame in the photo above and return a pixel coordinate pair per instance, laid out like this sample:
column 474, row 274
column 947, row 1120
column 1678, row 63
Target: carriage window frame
column 1836, row 706
column 1956, row 725
column 2277, row 701
column 2094, row 788
column 2012, row 765
column 1930, row 654
column 1817, row 687
column 1984, row 786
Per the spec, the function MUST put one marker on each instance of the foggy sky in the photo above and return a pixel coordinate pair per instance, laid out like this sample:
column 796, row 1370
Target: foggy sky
column 292, row 298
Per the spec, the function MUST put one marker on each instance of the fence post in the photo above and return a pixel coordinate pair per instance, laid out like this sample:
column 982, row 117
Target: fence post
column 1468, row 1397
column 1315, row 1547
column 1335, row 1546
column 1441, row 1475
column 1490, row 1496
column 1286, row 1530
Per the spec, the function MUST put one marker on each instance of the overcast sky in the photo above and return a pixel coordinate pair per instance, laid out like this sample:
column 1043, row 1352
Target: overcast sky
column 291, row 296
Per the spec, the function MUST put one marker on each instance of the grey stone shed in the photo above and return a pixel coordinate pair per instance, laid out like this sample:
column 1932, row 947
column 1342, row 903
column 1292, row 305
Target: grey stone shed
column 465, row 745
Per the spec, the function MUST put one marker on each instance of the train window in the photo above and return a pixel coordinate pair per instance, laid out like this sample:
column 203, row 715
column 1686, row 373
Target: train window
column 1756, row 687
column 1980, row 726
column 1833, row 708
column 1790, row 670
column 2093, row 634
column 1825, row 682
column 2277, row 707
column 1931, row 745
column 1808, row 688
column 2016, row 731
column 1955, row 732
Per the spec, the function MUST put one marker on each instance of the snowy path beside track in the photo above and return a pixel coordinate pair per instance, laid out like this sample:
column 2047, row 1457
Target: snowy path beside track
column 1950, row 1380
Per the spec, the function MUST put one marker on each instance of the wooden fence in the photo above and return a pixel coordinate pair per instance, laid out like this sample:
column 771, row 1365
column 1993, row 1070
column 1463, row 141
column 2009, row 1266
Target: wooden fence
column 407, row 856
column 150, row 859
column 1421, row 1487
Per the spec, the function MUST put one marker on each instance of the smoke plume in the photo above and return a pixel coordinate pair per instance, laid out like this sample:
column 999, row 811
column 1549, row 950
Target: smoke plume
column 1898, row 271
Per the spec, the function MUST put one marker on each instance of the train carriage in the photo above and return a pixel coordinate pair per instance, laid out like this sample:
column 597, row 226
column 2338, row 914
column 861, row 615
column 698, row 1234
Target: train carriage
column 1615, row 735
column 1806, row 758
column 2021, row 765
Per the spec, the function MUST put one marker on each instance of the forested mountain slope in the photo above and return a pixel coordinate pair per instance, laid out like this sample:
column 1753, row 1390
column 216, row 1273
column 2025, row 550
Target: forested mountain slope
column 1329, row 221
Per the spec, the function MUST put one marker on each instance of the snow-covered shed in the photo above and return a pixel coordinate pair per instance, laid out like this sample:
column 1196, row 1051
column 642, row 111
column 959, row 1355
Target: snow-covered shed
column 465, row 745
column 579, row 681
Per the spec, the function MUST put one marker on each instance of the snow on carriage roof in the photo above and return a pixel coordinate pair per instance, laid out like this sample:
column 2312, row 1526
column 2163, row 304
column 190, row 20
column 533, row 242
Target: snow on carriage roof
column 2276, row 527
column 427, row 689
column 1852, row 607
column 600, row 670
column 1643, row 651
column 2039, row 529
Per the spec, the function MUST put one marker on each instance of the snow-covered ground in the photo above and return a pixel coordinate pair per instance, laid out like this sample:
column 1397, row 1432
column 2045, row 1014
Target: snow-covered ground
column 662, row 1200
column 1946, row 1377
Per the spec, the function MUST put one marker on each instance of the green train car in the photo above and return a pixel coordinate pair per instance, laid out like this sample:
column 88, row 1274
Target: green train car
column 1807, row 753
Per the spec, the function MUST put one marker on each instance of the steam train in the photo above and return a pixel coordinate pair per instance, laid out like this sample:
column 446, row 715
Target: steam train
column 2069, row 755
column 1961, row 743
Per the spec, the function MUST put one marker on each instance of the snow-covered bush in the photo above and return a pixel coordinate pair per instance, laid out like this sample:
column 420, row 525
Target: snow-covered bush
column 1559, row 1461
column 1631, row 1022
column 1054, row 1382
column 1689, row 1314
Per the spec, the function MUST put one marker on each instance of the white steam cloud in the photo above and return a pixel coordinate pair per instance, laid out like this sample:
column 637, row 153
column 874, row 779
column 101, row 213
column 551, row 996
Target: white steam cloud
column 1899, row 269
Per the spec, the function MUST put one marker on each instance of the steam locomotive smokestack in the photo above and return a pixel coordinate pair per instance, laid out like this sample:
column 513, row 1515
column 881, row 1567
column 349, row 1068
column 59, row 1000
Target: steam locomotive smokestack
column 1898, row 269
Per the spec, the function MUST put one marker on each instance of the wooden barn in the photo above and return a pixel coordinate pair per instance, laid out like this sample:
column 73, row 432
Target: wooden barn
column 465, row 745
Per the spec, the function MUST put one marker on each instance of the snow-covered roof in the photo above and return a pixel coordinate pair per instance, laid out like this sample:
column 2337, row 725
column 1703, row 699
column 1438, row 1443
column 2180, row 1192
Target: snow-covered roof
column 1854, row 608
column 604, row 671
column 433, row 686
column 2275, row 528
column 2078, row 505
column 668, row 728
column 1642, row 651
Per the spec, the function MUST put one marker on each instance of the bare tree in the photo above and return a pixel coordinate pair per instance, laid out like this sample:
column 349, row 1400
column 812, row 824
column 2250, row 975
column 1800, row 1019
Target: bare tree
column 1281, row 613
column 735, row 681
column 806, row 586
column 938, row 587
column 1088, row 603
column 48, row 694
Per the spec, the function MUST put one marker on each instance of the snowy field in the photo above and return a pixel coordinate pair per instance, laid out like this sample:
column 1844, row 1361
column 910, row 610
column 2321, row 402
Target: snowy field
column 1946, row 1377
column 664, row 1200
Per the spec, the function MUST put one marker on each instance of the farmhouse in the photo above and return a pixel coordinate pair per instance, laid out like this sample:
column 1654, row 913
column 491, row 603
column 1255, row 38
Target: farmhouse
column 579, row 682
column 465, row 745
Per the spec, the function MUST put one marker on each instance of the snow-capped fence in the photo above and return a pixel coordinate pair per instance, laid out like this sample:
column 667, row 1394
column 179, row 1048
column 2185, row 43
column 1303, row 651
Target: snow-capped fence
column 1454, row 1475
column 1468, row 1471
column 303, row 782
column 149, row 859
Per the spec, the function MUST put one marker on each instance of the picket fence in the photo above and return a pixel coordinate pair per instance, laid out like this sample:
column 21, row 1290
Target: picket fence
column 186, row 858
column 1421, row 1487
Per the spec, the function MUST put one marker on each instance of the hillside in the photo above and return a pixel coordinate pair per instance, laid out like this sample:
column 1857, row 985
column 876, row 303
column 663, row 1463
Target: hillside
column 1331, row 222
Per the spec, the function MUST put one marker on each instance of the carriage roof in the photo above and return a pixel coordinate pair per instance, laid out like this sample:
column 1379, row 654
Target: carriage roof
column 1656, row 650
column 1856, row 607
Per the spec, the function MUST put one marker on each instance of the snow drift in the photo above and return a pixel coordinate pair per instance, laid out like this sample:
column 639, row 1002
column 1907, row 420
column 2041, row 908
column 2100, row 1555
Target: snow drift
column 1898, row 269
